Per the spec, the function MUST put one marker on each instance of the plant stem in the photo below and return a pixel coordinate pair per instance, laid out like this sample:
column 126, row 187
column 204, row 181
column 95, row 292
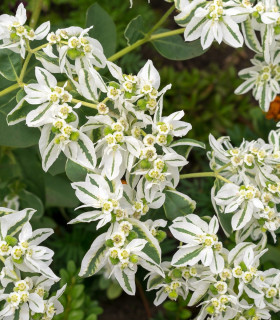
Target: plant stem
column 9, row 89
column 2, row 259
column 162, row 20
column 204, row 174
column 140, row 42
column 167, row 34
column 24, row 67
column 37, row 7
column 144, row 299
column 223, row 167
column 84, row 103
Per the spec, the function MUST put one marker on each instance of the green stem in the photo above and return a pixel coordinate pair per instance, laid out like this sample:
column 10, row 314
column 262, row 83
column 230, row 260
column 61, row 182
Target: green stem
column 2, row 259
column 24, row 67
column 39, row 48
column 9, row 89
column 167, row 34
column 37, row 7
column 162, row 20
column 84, row 103
column 139, row 43
column 203, row 175
column 223, row 167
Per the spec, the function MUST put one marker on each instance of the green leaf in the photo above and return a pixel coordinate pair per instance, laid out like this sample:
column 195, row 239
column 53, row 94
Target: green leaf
column 224, row 218
column 104, row 29
column 134, row 30
column 77, row 290
column 59, row 192
column 15, row 136
column 19, row 113
column 175, row 48
column 114, row 291
column 177, row 204
column 76, row 315
column 30, row 200
column 10, row 64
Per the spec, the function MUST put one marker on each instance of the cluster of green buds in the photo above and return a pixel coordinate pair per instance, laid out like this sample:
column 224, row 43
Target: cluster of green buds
column 119, row 253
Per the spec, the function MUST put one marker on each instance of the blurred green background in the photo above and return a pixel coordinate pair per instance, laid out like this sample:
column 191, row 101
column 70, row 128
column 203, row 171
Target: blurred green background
column 203, row 87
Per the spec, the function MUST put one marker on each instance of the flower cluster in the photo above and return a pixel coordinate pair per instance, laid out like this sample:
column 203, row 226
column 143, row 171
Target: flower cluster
column 20, row 254
column 250, row 198
column 234, row 22
column 229, row 284
column 125, row 151
column 14, row 33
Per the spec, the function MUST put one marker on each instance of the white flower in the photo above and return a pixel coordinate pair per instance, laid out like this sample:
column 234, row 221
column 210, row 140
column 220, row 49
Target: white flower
column 242, row 201
column 201, row 243
column 263, row 78
column 74, row 44
column 14, row 32
column 212, row 22
column 96, row 192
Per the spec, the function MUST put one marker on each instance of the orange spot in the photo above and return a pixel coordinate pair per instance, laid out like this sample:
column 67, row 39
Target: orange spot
column 274, row 110
column 124, row 182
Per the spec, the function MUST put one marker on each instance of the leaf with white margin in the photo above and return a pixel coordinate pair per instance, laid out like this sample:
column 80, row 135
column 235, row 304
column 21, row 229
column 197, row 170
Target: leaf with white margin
column 177, row 204
column 42, row 30
column 13, row 222
column 250, row 37
column 187, row 256
column 95, row 258
column 86, row 217
column 238, row 250
column 152, row 248
column 19, row 112
column 224, row 218
column 50, row 154
column 112, row 164
column 86, row 156
column 40, row 235
column 49, row 63
column 87, row 86
column 242, row 216
column 96, row 122
column 246, row 86
column 187, row 142
column 115, row 71
column 133, row 146
column 200, row 291
column 158, row 112
column 126, row 279
column 36, row 303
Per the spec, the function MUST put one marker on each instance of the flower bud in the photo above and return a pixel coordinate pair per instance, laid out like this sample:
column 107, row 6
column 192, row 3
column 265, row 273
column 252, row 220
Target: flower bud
column 161, row 235
column 176, row 273
column 114, row 261
column 19, row 261
column 132, row 235
column 12, row 241
column 107, row 130
column 133, row 258
column 145, row 164
column 71, row 117
column 73, row 53
column 74, row 136
column 173, row 295
column 109, row 243
column 277, row 29
column 142, row 103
